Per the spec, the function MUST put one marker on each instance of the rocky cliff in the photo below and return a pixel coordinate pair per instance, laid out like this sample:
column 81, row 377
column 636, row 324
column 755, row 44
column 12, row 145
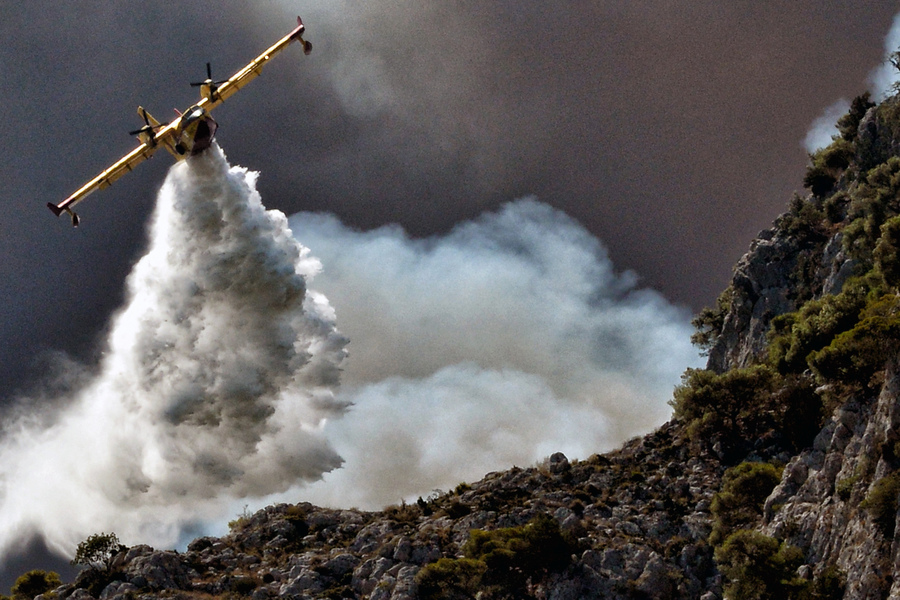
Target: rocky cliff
column 778, row 477
column 820, row 290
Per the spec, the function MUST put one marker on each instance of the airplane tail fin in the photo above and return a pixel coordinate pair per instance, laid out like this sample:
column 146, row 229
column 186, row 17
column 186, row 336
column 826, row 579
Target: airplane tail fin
column 56, row 210
column 299, row 30
column 297, row 34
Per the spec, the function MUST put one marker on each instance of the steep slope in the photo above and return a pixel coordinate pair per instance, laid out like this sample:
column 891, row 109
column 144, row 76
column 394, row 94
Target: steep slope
column 816, row 299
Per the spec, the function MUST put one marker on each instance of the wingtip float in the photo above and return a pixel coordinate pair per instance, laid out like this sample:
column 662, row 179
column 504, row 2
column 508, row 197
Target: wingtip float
column 190, row 133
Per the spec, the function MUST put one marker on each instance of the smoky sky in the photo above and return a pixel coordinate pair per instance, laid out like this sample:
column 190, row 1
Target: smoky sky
column 671, row 131
column 466, row 346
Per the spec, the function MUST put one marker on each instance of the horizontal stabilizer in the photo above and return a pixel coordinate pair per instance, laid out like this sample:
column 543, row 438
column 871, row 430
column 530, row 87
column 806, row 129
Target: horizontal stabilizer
column 57, row 210
column 54, row 209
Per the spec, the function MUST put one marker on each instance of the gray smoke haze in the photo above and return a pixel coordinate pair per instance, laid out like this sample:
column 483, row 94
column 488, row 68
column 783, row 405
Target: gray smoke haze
column 644, row 121
column 218, row 376
column 507, row 339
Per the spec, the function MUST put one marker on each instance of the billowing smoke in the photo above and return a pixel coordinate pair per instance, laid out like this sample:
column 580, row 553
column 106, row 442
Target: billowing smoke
column 884, row 77
column 499, row 343
column 824, row 128
column 218, row 377
column 508, row 339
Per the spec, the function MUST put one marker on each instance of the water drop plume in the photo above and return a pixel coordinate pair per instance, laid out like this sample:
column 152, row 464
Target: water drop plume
column 218, row 376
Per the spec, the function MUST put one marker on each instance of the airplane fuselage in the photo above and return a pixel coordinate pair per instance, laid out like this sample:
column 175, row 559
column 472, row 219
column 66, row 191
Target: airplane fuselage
column 198, row 129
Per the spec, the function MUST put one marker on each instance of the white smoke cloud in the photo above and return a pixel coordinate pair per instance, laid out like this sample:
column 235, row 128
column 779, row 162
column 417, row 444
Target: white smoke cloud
column 884, row 77
column 824, row 128
column 218, row 377
column 508, row 339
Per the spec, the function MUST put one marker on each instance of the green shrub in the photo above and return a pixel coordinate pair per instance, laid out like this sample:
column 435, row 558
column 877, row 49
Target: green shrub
column 758, row 567
column 241, row 521
column 837, row 155
column 516, row 555
column 829, row 585
column 457, row 510
column 826, row 166
column 848, row 125
column 295, row 516
column 294, row 513
column 844, row 487
column 873, row 202
column 803, row 221
column 424, row 506
column 450, row 578
column 877, row 145
column 739, row 502
column 844, row 339
column 857, row 357
column 499, row 563
column 34, row 583
column 739, row 406
column 794, row 336
column 404, row 513
column 709, row 322
column 835, row 207
column 716, row 402
column 819, row 180
column 98, row 551
column 882, row 503
column 886, row 258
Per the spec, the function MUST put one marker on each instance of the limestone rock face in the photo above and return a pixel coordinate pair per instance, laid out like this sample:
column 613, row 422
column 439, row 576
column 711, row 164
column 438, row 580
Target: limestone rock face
column 820, row 507
column 777, row 274
column 761, row 290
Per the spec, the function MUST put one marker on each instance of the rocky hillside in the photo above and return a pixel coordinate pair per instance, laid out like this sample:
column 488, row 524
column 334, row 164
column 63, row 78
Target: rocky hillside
column 630, row 524
column 778, row 477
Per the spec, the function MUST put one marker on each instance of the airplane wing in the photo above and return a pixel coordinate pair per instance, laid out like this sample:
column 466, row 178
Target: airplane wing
column 219, row 94
column 104, row 179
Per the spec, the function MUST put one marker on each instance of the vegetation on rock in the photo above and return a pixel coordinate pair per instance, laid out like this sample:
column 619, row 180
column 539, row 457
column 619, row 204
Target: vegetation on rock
column 501, row 563
column 759, row 567
column 34, row 583
column 739, row 502
column 97, row 551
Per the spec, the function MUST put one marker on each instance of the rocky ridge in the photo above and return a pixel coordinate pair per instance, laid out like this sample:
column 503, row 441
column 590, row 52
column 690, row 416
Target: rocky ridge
column 638, row 520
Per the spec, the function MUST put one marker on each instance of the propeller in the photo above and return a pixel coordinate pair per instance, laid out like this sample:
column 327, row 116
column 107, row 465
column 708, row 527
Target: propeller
column 209, row 80
column 147, row 128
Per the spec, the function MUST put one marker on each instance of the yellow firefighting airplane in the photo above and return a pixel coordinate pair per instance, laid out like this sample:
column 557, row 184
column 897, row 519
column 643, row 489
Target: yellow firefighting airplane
column 189, row 134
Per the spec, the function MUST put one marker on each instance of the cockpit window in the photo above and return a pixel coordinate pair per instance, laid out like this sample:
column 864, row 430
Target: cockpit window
column 192, row 115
